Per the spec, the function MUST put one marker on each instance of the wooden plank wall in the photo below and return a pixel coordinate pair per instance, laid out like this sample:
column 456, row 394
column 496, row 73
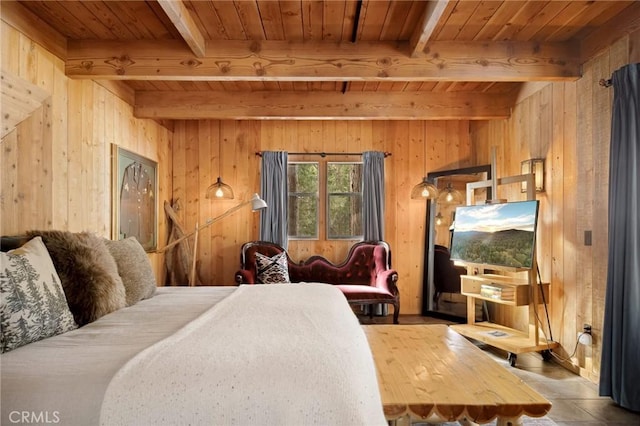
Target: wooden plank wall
column 56, row 165
column 55, row 174
column 569, row 125
column 198, row 159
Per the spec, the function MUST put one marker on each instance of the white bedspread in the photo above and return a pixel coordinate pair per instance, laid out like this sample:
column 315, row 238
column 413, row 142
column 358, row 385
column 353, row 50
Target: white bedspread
column 267, row 355
column 63, row 379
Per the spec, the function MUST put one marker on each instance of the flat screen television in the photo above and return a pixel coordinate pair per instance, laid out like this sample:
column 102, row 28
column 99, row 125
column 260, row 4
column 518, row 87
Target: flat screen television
column 496, row 234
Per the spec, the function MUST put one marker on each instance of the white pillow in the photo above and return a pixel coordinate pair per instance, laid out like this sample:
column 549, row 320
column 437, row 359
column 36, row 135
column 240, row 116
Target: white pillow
column 33, row 305
column 272, row 270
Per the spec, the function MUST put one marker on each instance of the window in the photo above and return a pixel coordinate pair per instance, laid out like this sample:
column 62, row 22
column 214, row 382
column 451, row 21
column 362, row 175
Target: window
column 325, row 200
column 344, row 195
column 303, row 182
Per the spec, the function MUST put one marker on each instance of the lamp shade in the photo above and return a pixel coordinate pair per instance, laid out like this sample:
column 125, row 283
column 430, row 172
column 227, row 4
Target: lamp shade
column 425, row 190
column 257, row 203
column 219, row 190
column 450, row 195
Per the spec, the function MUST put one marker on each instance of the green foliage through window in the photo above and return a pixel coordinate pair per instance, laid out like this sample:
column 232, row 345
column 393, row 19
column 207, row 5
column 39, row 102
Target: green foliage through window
column 303, row 181
column 344, row 193
column 342, row 206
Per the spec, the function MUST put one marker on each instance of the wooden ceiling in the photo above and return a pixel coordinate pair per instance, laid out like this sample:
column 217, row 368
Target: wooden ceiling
column 347, row 59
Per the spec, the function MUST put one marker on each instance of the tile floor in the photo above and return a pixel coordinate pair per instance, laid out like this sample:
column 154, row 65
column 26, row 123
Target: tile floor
column 575, row 399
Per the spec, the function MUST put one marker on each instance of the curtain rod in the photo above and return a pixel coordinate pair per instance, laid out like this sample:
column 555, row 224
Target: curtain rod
column 324, row 154
column 605, row 83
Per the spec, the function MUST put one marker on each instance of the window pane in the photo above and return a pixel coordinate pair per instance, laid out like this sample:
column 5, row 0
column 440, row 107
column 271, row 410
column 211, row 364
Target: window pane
column 344, row 192
column 344, row 177
column 302, row 179
column 303, row 216
column 345, row 216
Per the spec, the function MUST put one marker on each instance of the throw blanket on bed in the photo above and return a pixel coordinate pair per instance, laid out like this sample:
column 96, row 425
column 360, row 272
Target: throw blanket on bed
column 268, row 354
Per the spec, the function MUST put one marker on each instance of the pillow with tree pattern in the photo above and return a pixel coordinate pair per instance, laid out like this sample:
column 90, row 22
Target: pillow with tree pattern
column 33, row 305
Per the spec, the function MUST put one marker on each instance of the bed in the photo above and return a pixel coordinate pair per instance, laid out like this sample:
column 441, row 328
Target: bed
column 282, row 378
column 270, row 354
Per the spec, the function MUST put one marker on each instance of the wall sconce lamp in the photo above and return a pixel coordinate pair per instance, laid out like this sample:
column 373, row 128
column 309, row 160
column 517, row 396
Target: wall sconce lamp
column 439, row 219
column 425, row 190
column 535, row 166
column 450, row 195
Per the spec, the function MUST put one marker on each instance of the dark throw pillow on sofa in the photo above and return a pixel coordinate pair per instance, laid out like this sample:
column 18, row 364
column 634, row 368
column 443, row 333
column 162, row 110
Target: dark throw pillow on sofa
column 88, row 273
column 134, row 269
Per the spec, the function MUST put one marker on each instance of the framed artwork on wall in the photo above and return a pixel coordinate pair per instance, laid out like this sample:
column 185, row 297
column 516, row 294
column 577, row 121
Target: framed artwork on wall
column 135, row 192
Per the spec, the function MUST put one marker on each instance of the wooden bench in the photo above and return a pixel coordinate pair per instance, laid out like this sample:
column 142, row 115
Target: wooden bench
column 430, row 372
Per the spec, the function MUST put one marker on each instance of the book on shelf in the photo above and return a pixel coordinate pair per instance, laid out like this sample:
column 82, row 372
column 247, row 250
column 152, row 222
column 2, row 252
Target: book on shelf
column 496, row 292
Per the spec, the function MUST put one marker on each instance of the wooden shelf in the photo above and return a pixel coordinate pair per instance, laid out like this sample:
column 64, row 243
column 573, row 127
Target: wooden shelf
column 480, row 266
column 518, row 289
column 505, row 290
column 504, row 338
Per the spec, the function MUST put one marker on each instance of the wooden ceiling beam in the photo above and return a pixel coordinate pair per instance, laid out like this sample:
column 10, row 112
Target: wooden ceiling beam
column 322, row 105
column 323, row 61
column 428, row 21
column 186, row 26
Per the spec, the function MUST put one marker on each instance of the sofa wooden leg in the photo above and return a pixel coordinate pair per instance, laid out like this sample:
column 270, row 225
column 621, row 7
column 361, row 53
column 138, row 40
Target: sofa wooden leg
column 396, row 312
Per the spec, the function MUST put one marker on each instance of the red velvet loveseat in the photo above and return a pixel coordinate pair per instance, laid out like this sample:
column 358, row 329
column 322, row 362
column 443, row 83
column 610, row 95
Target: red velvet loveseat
column 365, row 277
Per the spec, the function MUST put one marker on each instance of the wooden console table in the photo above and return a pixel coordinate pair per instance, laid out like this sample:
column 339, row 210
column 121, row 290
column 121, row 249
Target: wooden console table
column 432, row 372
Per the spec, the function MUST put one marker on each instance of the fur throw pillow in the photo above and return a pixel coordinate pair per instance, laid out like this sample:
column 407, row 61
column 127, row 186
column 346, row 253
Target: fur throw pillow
column 134, row 268
column 88, row 273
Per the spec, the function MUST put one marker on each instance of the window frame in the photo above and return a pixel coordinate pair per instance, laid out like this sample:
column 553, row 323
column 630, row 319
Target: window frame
column 322, row 233
column 318, row 201
column 326, row 205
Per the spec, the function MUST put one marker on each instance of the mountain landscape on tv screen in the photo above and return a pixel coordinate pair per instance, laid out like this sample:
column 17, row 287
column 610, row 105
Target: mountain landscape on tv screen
column 510, row 247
